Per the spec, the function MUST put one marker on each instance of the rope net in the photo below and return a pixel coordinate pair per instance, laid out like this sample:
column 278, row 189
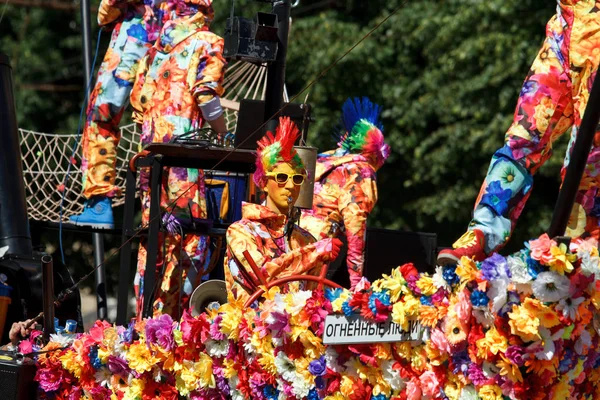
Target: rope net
column 46, row 156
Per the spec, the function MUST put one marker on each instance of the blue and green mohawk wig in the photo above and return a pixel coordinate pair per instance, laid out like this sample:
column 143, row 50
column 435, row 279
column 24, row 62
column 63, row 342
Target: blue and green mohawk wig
column 362, row 130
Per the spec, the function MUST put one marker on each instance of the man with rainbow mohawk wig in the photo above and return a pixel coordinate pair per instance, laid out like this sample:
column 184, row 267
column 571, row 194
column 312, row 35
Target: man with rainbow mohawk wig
column 345, row 182
column 277, row 248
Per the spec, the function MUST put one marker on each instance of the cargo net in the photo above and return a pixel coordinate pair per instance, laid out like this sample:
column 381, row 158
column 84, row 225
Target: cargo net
column 46, row 156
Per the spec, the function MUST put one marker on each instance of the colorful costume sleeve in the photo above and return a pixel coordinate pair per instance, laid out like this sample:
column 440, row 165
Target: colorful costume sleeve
column 137, row 99
column 209, row 68
column 298, row 261
column 544, row 112
column 357, row 199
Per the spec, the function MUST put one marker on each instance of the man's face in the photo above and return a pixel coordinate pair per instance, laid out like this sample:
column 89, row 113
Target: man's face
column 279, row 194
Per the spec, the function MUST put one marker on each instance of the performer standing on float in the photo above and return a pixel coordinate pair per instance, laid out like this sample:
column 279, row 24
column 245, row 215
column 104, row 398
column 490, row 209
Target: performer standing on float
column 177, row 89
column 345, row 182
column 279, row 248
column 552, row 100
column 136, row 26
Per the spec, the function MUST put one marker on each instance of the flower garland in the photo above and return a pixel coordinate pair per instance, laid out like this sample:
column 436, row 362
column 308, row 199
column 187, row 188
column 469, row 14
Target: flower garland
column 520, row 327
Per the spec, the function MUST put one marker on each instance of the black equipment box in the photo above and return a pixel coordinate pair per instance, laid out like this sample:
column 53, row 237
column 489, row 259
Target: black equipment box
column 16, row 380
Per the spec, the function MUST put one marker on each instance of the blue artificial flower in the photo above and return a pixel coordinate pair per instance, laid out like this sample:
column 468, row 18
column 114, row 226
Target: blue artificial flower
column 332, row 294
column 533, row 267
column 461, row 362
column 383, row 297
column 313, row 394
column 379, row 397
column 449, row 275
column 479, row 298
column 94, row 359
column 348, row 311
column 426, row 300
column 318, row 367
column 496, row 197
column 495, row 267
column 270, row 392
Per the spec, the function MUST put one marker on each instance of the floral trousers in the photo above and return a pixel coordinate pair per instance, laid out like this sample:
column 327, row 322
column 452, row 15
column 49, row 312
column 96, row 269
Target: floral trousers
column 552, row 100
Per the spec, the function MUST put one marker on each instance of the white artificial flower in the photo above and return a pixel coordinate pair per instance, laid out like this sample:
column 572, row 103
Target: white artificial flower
column 468, row 393
column 331, row 359
column 285, row 367
column 583, row 342
column 392, row 376
column 489, row 370
column 438, row 279
column 62, row 339
column 300, row 386
column 518, row 270
column 103, row 376
column 299, row 301
column 547, row 340
column 497, row 293
column 237, row 395
column 484, row 316
column 589, row 264
column 217, row 348
column 569, row 307
column 550, row 286
column 361, row 285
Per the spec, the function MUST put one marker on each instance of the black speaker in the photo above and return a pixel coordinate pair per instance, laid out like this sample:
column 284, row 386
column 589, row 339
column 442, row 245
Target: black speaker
column 252, row 116
column 16, row 380
column 387, row 249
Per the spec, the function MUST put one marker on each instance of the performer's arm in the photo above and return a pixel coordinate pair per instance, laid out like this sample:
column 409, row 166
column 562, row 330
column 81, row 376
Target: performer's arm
column 302, row 260
column 110, row 11
column 137, row 99
column 207, row 86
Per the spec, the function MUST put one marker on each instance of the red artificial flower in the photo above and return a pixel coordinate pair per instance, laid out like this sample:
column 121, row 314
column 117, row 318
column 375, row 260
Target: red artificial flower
column 409, row 270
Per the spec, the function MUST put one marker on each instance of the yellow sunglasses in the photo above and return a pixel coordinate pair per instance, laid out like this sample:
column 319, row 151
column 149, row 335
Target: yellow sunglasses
column 282, row 177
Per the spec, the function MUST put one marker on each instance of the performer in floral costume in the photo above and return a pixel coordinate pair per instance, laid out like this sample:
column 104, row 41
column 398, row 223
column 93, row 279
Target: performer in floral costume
column 552, row 100
column 280, row 249
column 345, row 181
column 177, row 89
column 136, row 26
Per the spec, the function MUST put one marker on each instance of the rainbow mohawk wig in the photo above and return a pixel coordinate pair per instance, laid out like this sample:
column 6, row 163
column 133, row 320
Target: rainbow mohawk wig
column 362, row 130
column 278, row 149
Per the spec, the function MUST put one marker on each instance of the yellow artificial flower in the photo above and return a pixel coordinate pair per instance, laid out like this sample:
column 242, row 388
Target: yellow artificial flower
column 466, row 270
column 71, row 361
column 313, row 346
column 561, row 259
column 346, row 385
column 230, row 324
column 139, row 357
column 453, row 387
column 510, row 370
column 267, row 361
column 430, row 315
column 426, row 286
column 490, row 392
column 548, row 317
column 204, row 368
column 229, row 370
column 336, row 396
column 405, row 308
column 404, row 349
column 394, row 283
column 134, row 390
column 336, row 305
column 524, row 323
column 493, row 342
column 434, row 355
column 418, row 358
column 383, row 351
column 561, row 390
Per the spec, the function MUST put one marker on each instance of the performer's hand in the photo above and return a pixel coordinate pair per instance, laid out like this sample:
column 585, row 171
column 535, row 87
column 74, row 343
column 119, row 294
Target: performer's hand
column 19, row 331
column 336, row 245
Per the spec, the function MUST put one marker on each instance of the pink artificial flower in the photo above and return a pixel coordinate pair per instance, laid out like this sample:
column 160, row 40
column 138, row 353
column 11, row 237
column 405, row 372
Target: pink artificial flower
column 429, row 383
column 413, row 389
column 464, row 307
column 540, row 248
column 439, row 340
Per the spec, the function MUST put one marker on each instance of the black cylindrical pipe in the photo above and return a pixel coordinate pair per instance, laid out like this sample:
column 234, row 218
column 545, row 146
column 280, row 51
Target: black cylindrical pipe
column 577, row 162
column 276, row 70
column 14, row 226
column 48, row 295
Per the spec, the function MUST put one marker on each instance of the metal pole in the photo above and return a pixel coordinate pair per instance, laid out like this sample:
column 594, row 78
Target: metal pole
column 276, row 70
column 97, row 238
column 577, row 163
column 48, row 296
column 14, row 226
